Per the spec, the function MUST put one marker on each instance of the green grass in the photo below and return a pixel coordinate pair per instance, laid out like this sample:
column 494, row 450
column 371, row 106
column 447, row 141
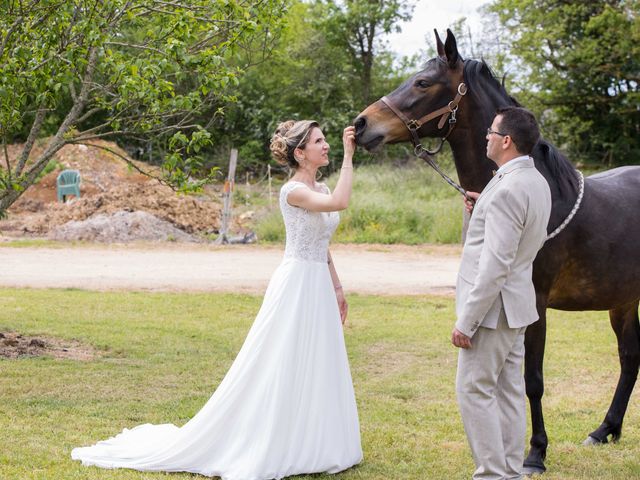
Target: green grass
column 409, row 205
column 41, row 243
column 163, row 355
column 51, row 166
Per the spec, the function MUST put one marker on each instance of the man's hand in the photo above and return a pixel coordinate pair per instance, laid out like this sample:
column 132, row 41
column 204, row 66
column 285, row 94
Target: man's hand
column 459, row 339
column 471, row 201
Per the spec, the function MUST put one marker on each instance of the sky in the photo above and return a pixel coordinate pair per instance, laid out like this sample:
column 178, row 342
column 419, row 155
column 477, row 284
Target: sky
column 430, row 14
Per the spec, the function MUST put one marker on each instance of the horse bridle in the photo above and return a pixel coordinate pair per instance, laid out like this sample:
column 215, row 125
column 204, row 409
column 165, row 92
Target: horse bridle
column 449, row 111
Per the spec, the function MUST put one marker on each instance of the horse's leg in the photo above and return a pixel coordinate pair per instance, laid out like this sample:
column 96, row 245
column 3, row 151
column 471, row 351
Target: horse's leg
column 624, row 321
column 534, row 341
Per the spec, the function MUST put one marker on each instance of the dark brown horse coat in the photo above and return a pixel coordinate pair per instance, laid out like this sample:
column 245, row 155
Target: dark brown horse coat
column 593, row 264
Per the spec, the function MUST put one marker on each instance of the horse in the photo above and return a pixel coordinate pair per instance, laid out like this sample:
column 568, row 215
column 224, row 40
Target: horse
column 594, row 261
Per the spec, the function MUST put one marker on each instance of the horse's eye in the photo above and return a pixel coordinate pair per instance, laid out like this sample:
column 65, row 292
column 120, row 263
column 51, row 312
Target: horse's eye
column 422, row 84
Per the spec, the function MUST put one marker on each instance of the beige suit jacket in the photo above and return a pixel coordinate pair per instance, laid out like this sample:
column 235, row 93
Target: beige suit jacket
column 507, row 228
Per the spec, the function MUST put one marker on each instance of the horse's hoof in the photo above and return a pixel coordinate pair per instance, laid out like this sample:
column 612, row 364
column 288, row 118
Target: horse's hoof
column 593, row 441
column 531, row 470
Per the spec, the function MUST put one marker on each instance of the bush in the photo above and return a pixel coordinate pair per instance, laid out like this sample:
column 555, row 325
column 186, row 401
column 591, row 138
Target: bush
column 51, row 166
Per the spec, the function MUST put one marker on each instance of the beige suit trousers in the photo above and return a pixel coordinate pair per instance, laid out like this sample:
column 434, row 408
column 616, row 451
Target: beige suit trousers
column 490, row 389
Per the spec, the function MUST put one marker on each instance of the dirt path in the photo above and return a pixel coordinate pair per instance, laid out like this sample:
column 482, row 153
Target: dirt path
column 366, row 269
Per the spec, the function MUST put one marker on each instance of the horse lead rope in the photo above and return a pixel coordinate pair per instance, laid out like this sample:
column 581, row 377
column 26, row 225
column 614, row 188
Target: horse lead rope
column 426, row 156
column 574, row 210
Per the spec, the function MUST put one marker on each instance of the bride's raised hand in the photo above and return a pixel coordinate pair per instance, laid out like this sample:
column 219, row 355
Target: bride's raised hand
column 349, row 141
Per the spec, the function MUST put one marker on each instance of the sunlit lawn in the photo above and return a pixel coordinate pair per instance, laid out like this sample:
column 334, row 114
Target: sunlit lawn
column 162, row 355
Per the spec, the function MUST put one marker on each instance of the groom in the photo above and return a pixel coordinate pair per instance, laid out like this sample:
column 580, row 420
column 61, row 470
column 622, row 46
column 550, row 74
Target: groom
column 495, row 298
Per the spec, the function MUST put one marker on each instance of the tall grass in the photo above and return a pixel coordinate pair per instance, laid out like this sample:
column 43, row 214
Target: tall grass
column 409, row 205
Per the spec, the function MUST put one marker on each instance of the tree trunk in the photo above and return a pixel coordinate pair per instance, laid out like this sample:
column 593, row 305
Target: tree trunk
column 8, row 198
column 367, row 66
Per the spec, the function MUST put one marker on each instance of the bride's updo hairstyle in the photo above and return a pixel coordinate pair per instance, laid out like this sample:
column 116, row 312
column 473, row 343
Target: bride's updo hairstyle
column 288, row 136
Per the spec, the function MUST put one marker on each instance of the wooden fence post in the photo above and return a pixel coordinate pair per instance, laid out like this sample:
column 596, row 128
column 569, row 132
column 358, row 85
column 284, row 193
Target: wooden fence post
column 227, row 195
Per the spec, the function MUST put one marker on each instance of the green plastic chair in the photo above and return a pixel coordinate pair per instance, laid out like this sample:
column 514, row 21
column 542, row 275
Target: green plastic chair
column 68, row 183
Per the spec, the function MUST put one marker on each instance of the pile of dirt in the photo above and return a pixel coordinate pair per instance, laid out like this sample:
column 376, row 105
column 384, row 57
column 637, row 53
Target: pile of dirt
column 14, row 345
column 188, row 213
column 120, row 227
column 108, row 186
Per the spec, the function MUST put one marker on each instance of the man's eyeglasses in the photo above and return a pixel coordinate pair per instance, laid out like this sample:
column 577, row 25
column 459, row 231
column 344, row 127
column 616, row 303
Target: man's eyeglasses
column 489, row 132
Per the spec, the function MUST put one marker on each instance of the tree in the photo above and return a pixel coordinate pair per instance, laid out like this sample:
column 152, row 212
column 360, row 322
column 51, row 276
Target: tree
column 82, row 70
column 583, row 74
column 307, row 75
column 357, row 26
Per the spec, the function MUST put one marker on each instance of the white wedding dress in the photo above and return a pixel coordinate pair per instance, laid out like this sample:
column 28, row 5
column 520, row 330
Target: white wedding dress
column 286, row 405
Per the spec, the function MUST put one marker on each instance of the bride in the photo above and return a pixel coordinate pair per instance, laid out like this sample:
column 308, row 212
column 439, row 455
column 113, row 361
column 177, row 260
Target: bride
column 286, row 405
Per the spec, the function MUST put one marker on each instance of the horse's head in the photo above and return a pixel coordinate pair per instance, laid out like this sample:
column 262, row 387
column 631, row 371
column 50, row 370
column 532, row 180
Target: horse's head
column 425, row 92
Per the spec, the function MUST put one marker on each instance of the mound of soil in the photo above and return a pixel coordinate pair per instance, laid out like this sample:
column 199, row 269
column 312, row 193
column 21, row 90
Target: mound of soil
column 108, row 186
column 14, row 345
column 191, row 214
column 120, row 227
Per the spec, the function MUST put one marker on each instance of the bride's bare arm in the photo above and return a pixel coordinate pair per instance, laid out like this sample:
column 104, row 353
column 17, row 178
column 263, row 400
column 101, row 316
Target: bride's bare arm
column 339, row 198
column 337, row 285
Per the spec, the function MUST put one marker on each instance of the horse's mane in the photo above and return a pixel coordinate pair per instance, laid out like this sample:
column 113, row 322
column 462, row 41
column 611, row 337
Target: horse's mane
column 557, row 165
column 479, row 78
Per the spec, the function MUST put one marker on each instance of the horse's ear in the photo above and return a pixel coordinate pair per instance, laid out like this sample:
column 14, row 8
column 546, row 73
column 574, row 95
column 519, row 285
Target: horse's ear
column 439, row 44
column 451, row 49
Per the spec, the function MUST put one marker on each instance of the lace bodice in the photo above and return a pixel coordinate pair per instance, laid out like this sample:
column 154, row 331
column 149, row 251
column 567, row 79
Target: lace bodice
column 308, row 233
